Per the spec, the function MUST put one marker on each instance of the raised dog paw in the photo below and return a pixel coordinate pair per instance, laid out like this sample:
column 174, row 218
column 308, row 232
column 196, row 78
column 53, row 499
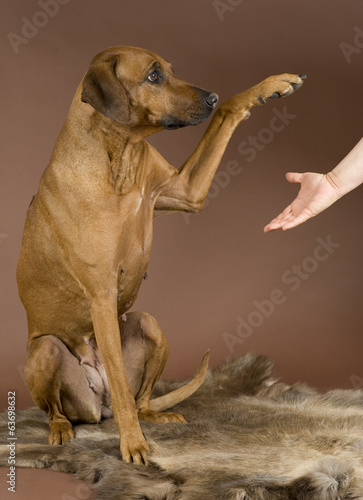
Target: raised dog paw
column 278, row 86
column 60, row 433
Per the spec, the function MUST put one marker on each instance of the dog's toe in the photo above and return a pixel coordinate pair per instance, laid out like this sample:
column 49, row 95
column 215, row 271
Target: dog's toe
column 60, row 433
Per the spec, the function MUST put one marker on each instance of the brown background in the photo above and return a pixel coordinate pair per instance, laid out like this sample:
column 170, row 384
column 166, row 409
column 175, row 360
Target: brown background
column 206, row 271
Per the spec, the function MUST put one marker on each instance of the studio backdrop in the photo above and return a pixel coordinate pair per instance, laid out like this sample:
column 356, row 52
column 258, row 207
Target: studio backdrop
column 215, row 280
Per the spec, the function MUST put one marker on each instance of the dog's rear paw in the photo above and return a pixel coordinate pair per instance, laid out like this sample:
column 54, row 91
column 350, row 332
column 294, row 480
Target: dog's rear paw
column 160, row 418
column 278, row 86
column 60, row 433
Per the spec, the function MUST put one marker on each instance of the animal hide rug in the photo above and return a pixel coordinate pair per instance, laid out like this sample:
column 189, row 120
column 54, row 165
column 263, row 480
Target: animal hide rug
column 248, row 437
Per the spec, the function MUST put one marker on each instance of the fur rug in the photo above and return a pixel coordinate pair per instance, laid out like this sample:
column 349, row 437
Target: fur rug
column 249, row 437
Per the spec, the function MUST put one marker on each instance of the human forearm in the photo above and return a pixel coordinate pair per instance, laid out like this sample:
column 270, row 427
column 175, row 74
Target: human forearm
column 348, row 174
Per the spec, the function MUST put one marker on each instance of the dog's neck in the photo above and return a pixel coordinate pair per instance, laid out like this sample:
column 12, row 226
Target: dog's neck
column 126, row 150
column 125, row 164
column 120, row 148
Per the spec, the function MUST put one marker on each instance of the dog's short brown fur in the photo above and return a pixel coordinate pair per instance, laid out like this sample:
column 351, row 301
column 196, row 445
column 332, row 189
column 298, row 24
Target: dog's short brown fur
column 88, row 236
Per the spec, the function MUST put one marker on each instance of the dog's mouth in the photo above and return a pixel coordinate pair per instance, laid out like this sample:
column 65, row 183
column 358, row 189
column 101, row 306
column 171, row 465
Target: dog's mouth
column 173, row 123
column 195, row 114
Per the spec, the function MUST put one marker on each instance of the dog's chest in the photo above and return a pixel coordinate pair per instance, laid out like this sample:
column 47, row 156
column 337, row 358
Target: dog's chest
column 136, row 242
column 128, row 286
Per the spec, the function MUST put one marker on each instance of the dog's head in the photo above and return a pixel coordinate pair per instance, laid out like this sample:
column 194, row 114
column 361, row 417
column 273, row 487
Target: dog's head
column 135, row 87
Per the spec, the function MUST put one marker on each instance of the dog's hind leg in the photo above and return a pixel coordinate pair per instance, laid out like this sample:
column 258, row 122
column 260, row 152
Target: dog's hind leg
column 145, row 352
column 62, row 387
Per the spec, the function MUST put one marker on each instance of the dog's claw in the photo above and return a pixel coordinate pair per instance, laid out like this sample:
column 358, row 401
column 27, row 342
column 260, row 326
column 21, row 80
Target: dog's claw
column 137, row 455
column 303, row 77
column 277, row 86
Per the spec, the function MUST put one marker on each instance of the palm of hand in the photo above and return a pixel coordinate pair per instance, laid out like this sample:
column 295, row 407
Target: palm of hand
column 317, row 192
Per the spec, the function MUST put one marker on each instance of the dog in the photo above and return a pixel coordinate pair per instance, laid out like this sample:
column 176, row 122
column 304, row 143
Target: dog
column 88, row 235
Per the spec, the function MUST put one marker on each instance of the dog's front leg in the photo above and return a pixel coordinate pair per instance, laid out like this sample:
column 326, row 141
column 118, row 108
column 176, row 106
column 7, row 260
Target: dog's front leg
column 188, row 187
column 105, row 323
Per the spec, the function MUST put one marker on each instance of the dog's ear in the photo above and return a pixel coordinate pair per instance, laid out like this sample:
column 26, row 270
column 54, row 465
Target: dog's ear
column 102, row 89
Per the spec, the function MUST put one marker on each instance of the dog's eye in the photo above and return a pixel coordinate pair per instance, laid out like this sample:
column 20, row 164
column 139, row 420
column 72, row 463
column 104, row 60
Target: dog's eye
column 153, row 77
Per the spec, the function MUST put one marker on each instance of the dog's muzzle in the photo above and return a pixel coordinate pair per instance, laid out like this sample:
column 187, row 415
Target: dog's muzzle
column 197, row 114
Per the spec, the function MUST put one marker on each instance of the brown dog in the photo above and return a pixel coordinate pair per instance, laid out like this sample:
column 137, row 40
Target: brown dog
column 88, row 235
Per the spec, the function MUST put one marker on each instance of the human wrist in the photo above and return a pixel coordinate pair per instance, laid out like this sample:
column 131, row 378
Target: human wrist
column 338, row 186
column 348, row 174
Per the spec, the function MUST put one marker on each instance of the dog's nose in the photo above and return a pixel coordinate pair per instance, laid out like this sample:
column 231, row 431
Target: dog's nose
column 212, row 100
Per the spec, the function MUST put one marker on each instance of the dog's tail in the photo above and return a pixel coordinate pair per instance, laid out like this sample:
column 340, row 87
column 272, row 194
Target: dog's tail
column 173, row 398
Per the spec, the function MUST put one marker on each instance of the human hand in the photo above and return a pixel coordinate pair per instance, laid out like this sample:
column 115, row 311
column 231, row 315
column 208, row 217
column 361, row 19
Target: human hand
column 317, row 192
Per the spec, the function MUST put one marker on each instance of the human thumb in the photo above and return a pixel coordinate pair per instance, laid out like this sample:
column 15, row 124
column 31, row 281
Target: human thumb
column 294, row 177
